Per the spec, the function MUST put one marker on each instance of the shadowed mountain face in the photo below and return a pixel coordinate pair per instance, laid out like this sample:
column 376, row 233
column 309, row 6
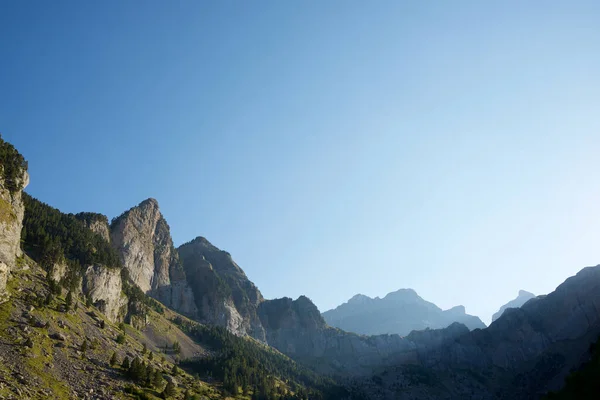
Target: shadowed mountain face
column 524, row 354
column 523, row 297
column 399, row 312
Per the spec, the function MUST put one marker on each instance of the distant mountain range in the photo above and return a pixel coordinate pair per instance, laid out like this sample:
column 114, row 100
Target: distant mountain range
column 523, row 297
column 399, row 312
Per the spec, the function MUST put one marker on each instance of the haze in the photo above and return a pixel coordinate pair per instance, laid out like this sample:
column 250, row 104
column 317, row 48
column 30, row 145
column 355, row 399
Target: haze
column 332, row 148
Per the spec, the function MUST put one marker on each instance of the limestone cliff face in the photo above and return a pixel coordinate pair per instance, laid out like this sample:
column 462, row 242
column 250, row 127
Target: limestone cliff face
column 142, row 238
column 224, row 295
column 104, row 286
column 11, row 223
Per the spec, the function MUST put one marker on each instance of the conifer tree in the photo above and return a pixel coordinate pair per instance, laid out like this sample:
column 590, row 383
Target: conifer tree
column 169, row 390
column 113, row 359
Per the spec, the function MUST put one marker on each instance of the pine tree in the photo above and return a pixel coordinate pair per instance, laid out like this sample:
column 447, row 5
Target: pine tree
column 174, row 370
column 84, row 346
column 114, row 360
column 150, row 355
column 144, row 349
column 125, row 365
column 169, row 390
column 157, row 380
column 176, row 347
column 69, row 300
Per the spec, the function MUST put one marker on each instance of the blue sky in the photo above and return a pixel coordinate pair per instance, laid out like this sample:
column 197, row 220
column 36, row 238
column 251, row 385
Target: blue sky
column 333, row 147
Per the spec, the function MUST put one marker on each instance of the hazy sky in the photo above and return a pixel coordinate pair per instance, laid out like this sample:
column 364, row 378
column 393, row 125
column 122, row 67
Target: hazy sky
column 333, row 147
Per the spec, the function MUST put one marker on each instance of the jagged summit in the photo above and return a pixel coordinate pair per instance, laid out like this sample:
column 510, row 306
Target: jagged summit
column 150, row 201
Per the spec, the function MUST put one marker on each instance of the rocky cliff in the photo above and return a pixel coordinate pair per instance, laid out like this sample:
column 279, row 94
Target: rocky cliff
column 523, row 297
column 143, row 241
column 13, row 179
column 104, row 286
column 223, row 293
column 398, row 312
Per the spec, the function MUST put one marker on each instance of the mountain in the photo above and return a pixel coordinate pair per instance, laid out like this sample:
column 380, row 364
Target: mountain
column 523, row 297
column 524, row 354
column 223, row 293
column 398, row 312
column 142, row 238
column 78, row 293
column 75, row 322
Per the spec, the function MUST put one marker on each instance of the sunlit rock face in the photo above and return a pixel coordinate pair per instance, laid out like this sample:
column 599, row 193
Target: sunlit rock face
column 12, row 211
column 143, row 241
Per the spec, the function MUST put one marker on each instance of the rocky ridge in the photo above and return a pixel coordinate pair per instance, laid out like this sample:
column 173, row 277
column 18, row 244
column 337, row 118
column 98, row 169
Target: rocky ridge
column 523, row 297
column 398, row 312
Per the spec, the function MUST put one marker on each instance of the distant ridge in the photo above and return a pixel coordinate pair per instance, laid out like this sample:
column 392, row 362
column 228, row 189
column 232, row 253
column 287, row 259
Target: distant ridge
column 398, row 312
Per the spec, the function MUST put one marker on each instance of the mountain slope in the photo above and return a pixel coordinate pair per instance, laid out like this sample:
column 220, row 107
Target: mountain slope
column 522, row 355
column 523, row 297
column 223, row 293
column 398, row 312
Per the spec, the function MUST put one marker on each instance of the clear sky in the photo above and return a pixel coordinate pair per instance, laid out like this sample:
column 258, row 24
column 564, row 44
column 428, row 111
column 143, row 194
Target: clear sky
column 333, row 147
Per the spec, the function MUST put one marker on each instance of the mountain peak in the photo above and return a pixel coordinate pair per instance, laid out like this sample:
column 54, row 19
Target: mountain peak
column 458, row 310
column 521, row 299
column 403, row 295
column 359, row 299
column 149, row 202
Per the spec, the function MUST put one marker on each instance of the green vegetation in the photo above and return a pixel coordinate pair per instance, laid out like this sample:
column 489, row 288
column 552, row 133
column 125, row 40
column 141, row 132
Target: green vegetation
column 583, row 384
column 50, row 236
column 247, row 366
column 13, row 165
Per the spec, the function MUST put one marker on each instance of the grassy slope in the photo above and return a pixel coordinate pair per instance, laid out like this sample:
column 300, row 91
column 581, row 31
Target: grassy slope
column 55, row 369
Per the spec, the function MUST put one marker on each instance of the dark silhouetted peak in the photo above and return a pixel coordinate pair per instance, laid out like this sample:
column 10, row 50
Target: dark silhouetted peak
column 291, row 315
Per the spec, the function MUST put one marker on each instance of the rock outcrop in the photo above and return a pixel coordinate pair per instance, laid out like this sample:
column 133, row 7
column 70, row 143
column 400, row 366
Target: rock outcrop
column 104, row 286
column 223, row 293
column 523, row 297
column 11, row 221
column 399, row 312
column 143, row 241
